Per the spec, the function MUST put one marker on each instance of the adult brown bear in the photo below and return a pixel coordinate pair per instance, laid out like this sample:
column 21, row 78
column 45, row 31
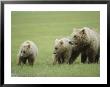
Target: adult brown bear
column 87, row 42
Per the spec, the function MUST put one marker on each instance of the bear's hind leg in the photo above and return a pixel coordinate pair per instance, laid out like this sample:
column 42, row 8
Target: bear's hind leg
column 91, row 59
column 97, row 58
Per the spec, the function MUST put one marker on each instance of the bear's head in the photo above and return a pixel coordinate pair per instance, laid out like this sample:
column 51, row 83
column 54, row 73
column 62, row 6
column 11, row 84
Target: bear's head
column 25, row 50
column 79, row 37
column 61, row 45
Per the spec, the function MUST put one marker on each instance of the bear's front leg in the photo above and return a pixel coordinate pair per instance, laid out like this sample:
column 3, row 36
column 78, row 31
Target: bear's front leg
column 97, row 58
column 55, row 59
column 83, row 57
column 19, row 61
column 31, row 60
column 74, row 55
column 67, row 57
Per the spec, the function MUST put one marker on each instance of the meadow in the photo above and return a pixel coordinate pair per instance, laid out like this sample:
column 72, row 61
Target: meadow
column 43, row 28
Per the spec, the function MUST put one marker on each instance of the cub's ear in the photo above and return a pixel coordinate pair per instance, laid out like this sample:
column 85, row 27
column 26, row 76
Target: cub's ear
column 74, row 29
column 56, row 40
column 82, row 31
column 61, row 42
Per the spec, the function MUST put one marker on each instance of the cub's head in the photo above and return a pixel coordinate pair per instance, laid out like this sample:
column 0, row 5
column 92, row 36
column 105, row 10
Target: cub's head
column 25, row 50
column 61, row 45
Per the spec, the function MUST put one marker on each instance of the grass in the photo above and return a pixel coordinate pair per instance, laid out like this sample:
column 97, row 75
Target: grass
column 43, row 28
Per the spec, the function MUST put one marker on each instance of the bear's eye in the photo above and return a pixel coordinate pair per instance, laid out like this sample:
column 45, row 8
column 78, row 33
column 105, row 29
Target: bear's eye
column 56, row 48
column 70, row 42
column 24, row 52
column 75, row 36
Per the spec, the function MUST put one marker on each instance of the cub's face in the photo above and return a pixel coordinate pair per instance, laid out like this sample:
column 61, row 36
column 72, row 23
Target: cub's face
column 58, row 46
column 25, row 51
column 61, row 45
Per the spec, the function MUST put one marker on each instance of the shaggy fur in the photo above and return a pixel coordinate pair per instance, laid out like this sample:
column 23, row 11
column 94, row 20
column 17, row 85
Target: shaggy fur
column 27, row 53
column 86, row 42
column 75, row 53
column 62, row 50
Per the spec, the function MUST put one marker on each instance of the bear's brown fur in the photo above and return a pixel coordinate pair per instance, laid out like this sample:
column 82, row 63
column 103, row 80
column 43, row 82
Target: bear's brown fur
column 27, row 53
column 62, row 50
column 87, row 42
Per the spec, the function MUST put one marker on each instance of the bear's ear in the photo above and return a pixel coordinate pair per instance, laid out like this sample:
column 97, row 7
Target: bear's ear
column 56, row 40
column 74, row 29
column 82, row 31
column 61, row 42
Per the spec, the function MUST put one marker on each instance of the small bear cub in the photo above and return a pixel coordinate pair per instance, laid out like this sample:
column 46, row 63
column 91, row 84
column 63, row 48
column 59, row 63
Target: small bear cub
column 27, row 53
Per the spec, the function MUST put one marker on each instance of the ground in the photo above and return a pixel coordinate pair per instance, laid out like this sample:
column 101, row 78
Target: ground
column 43, row 28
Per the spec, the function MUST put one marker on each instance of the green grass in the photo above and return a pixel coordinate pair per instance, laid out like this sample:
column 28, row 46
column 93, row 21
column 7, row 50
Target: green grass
column 43, row 28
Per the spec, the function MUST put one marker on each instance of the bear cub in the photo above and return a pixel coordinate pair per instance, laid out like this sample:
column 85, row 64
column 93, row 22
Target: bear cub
column 62, row 50
column 27, row 53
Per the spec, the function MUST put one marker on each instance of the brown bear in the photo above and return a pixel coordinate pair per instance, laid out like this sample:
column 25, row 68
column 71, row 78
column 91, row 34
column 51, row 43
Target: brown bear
column 27, row 53
column 62, row 50
column 87, row 42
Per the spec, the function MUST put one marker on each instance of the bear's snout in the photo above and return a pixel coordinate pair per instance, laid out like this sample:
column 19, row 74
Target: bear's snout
column 54, row 53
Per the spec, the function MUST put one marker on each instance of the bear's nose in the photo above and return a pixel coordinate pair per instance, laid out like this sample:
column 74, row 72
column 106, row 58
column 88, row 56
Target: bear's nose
column 56, row 48
column 54, row 53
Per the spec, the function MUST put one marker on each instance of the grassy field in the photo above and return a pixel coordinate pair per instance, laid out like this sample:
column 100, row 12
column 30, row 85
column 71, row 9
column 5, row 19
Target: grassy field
column 43, row 28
